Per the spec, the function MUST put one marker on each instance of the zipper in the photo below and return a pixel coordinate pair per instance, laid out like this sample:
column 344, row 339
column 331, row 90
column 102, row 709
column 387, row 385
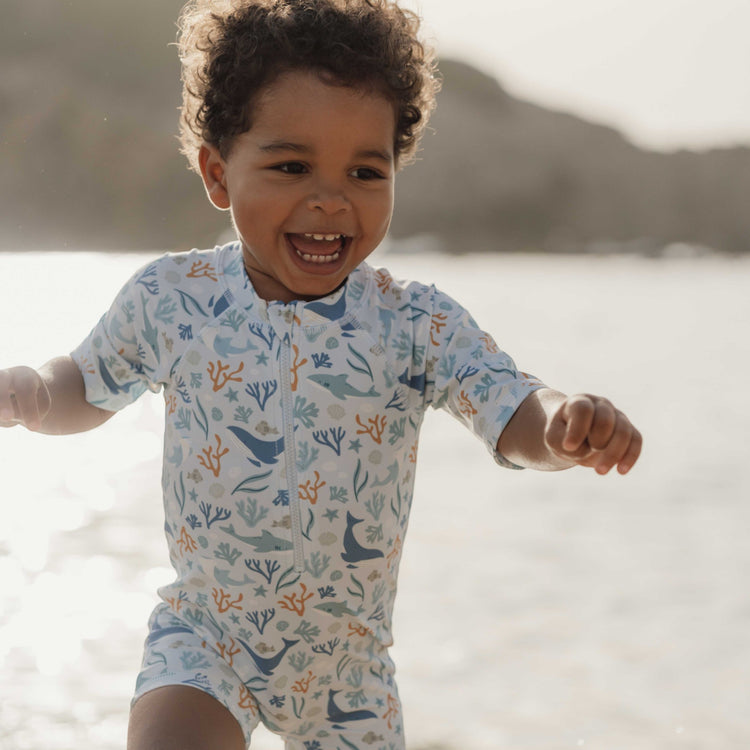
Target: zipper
column 287, row 412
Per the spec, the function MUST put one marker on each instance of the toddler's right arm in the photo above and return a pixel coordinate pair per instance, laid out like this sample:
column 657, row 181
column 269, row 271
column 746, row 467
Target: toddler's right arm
column 51, row 400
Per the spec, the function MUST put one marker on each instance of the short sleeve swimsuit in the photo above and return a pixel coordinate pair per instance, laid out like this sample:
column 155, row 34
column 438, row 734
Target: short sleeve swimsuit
column 290, row 448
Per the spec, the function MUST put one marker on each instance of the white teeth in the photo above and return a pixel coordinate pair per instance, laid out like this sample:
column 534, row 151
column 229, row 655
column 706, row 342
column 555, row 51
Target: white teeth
column 322, row 259
column 319, row 258
column 320, row 237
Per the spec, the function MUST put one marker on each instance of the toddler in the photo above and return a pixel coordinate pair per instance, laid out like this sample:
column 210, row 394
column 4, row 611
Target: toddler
column 295, row 379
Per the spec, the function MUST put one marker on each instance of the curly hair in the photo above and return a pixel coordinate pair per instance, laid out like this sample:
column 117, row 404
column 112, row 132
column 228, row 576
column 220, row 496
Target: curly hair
column 232, row 49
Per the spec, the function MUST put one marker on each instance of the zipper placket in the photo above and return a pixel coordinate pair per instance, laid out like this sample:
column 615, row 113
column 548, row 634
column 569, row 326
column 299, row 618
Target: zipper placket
column 287, row 410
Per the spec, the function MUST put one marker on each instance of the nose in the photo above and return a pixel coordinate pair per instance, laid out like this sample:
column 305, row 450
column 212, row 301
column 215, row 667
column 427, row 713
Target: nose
column 330, row 199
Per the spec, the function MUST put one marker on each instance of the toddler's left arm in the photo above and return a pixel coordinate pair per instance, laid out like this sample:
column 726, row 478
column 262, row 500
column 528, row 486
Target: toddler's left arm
column 552, row 431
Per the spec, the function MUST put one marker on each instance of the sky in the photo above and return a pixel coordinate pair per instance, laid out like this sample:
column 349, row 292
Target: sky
column 667, row 73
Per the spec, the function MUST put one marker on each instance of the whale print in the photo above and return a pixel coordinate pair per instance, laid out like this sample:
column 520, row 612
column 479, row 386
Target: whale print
column 354, row 552
column 265, row 451
column 338, row 716
column 267, row 666
column 289, row 461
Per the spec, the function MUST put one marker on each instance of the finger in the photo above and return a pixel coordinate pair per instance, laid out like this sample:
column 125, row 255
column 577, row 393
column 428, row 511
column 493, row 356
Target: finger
column 603, row 425
column 555, row 436
column 6, row 403
column 618, row 446
column 26, row 409
column 632, row 454
column 578, row 413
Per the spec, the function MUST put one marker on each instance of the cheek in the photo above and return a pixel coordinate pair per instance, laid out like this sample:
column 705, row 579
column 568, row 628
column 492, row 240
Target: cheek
column 382, row 211
column 255, row 212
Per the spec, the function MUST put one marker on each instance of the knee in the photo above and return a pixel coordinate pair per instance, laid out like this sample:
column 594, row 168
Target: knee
column 178, row 717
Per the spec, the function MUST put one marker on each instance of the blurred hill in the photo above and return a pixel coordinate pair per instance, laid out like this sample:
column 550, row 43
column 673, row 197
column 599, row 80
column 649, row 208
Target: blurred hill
column 499, row 172
column 88, row 120
column 89, row 93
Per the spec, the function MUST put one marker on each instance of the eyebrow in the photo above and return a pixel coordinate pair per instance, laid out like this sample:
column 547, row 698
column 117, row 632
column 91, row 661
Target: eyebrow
column 367, row 153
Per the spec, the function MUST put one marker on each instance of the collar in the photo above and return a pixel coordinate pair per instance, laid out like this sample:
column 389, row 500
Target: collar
column 337, row 307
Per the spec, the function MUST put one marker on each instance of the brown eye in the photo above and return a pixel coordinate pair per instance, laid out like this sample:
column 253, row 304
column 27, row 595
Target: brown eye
column 291, row 167
column 366, row 173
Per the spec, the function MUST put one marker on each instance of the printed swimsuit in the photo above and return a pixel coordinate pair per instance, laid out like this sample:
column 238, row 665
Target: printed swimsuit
column 290, row 447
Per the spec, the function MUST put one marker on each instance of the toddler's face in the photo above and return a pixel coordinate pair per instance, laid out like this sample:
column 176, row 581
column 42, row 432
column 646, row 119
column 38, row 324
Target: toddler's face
column 309, row 186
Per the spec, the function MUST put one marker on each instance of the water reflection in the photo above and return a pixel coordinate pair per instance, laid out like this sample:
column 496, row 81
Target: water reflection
column 570, row 584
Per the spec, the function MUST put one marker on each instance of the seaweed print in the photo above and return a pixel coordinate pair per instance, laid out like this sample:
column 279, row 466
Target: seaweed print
column 291, row 437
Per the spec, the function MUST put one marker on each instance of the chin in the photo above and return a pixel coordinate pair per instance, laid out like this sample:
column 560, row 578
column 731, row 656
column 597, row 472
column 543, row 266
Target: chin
column 309, row 292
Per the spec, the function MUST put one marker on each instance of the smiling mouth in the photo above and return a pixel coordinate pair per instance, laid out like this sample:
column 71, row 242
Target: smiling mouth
column 318, row 248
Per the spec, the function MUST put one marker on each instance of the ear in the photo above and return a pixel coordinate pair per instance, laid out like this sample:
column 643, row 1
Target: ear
column 213, row 170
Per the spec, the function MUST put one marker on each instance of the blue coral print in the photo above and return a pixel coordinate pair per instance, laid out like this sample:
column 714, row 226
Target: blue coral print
column 290, row 449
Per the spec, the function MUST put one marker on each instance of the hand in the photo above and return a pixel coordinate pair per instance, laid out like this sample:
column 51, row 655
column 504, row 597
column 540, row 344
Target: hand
column 588, row 431
column 24, row 398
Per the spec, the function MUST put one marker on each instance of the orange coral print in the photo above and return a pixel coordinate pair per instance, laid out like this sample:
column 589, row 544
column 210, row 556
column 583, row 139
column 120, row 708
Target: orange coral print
column 395, row 552
column 247, row 700
column 186, row 543
column 296, row 602
column 295, row 366
column 224, row 600
column 211, row 458
column 220, row 375
column 87, row 366
column 309, row 490
column 228, row 652
column 489, row 344
column 202, row 269
column 303, row 685
column 465, row 406
column 436, row 325
column 392, row 711
column 383, row 280
column 375, row 428
column 356, row 629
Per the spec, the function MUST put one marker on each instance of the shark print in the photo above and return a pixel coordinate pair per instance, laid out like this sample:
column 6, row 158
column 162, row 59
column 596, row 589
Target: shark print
column 339, row 386
column 291, row 435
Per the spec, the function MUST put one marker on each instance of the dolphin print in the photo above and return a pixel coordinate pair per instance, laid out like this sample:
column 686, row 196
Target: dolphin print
column 224, row 578
column 224, row 347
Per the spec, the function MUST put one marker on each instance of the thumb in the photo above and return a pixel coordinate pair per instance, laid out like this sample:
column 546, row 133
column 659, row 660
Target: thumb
column 568, row 430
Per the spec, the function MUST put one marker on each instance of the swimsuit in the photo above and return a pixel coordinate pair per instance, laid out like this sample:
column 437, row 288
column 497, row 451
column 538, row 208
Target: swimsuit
column 290, row 448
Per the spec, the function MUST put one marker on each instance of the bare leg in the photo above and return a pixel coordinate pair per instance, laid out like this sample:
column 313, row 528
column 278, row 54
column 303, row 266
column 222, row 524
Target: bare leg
column 179, row 717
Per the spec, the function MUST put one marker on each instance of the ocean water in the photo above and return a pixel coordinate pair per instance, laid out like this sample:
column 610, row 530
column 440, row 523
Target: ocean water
column 553, row 611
